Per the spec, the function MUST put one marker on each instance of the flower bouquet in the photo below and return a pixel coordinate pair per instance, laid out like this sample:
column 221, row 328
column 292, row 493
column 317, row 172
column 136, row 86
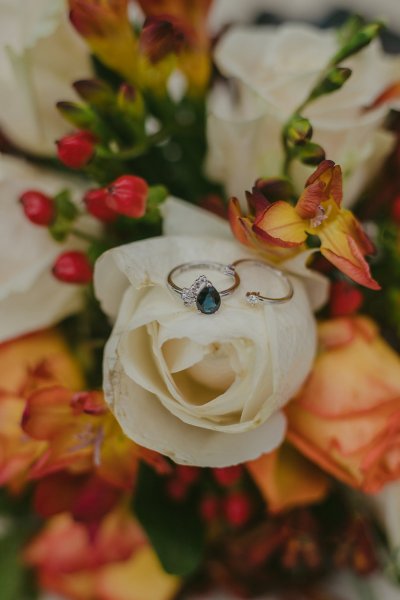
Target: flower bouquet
column 200, row 305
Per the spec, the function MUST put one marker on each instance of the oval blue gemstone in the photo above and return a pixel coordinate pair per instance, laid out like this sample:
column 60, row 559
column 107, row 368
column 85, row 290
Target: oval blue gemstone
column 208, row 300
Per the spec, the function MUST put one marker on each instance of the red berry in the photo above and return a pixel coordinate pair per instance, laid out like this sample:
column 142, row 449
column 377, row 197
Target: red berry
column 188, row 475
column 237, row 509
column 396, row 210
column 76, row 150
column 209, row 508
column 228, row 476
column 345, row 299
column 73, row 267
column 128, row 196
column 176, row 489
column 38, row 207
column 96, row 204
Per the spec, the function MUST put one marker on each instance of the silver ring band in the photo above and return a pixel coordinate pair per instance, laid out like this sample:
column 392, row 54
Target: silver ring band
column 255, row 298
column 202, row 293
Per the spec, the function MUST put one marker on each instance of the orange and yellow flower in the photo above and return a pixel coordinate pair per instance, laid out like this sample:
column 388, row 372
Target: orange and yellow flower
column 288, row 480
column 319, row 213
column 347, row 416
column 112, row 562
column 31, row 362
column 105, row 26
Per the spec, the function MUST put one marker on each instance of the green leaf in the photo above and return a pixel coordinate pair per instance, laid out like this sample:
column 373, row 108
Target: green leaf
column 350, row 28
column 174, row 529
column 157, row 195
column 358, row 41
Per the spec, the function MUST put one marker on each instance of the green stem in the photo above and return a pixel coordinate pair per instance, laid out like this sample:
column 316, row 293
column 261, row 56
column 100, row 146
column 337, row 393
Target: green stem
column 138, row 149
column 83, row 235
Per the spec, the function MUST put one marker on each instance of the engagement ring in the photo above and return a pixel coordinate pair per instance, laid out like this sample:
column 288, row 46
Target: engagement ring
column 202, row 294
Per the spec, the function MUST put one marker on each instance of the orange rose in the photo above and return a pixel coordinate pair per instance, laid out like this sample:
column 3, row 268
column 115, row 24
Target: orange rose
column 28, row 363
column 347, row 416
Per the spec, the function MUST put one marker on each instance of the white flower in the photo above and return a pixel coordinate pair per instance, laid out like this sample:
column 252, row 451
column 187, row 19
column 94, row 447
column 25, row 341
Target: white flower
column 40, row 57
column 387, row 504
column 30, row 297
column 274, row 69
column 204, row 390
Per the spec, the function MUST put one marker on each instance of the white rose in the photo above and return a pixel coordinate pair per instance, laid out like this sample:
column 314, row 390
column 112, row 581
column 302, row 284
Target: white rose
column 30, row 297
column 204, row 390
column 275, row 68
column 387, row 504
column 40, row 57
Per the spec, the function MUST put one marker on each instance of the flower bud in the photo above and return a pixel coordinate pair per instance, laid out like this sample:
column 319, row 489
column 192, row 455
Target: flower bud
column 333, row 81
column 76, row 150
column 73, row 267
column 38, row 207
column 298, row 130
column 96, row 204
column 346, row 299
column 128, row 196
column 162, row 36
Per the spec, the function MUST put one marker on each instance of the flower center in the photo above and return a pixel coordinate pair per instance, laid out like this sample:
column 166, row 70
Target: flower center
column 320, row 216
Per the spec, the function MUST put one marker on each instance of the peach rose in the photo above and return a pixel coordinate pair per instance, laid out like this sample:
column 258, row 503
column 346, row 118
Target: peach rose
column 347, row 416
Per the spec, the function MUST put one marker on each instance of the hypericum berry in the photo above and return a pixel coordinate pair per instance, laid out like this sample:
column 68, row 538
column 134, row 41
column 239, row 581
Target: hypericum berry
column 38, row 207
column 237, row 509
column 228, row 476
column 96, row 205
column 396, row 210
column 186, row 474
column 76, row 150
column 127, row 196
column 209, row 508
column 345, row 299
column 176, row 489
column 73, row 267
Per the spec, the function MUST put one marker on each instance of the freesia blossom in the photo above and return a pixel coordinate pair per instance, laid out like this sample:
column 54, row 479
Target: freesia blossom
column 29, row 294
column 346, row 418
column 33, row 361
column 106, row 27
column 318, row 212
column 204, row 390
column 113, row 563
column 273, row 70
column 40, row 57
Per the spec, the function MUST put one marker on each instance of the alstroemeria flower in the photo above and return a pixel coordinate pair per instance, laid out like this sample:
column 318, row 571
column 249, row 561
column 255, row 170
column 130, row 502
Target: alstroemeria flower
column 81, row 436
column 318, row 212
column 106, row 27
column 29, row 362
column 110, row 563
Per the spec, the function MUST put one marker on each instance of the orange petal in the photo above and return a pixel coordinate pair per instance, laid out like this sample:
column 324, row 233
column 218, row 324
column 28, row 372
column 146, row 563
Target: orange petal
column 236, row 222
column 356, row 268
column 287, row 480
column 47, row 412
column 280, row 224
column 142, row 575
column 390, row 93
column 310, row 199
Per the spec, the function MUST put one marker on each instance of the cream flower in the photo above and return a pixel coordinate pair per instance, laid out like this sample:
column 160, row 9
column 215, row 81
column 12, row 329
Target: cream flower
column 40, row 57
column 387, row 504
column 275, row 68
column 204, row 390
column 30, row 297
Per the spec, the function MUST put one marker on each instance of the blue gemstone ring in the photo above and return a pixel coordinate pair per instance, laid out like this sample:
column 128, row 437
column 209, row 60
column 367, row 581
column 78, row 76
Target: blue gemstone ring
column 202, row 294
